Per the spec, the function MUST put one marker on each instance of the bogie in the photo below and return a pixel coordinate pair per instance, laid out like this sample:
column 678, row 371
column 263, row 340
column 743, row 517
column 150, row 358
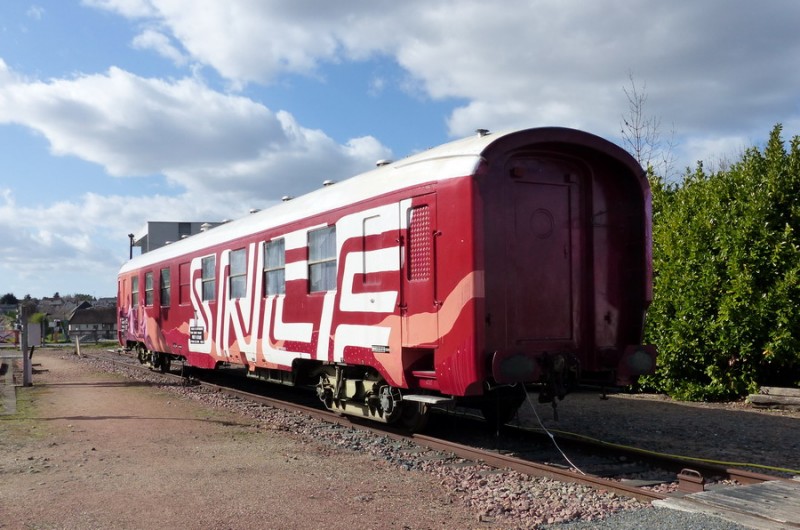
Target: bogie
column 155, row 360
column 360, row 393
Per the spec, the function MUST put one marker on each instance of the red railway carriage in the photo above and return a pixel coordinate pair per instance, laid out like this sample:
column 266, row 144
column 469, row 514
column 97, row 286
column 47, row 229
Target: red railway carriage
column 460, row 273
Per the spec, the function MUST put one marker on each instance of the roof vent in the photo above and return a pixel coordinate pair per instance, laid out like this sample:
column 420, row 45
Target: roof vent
column 287, row 198
column 328, row 183
column 205, row 226
column 481, row 132
column 383, row 162
column 255, row 210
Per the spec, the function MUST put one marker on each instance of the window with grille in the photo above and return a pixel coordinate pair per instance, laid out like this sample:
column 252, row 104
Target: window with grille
column 275, row 267
column 209, row 266
column 420, row 243
column 164, row 286
column 148, row 288
column 238, row 274
column 322, row 259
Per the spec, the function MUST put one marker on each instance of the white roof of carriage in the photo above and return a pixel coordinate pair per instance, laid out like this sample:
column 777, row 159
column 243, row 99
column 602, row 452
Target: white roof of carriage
column 451, row 160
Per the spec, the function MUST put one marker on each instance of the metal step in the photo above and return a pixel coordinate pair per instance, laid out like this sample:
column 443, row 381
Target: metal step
column 430, row 400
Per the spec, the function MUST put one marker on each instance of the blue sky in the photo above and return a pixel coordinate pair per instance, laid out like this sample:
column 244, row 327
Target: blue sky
column 118, row 112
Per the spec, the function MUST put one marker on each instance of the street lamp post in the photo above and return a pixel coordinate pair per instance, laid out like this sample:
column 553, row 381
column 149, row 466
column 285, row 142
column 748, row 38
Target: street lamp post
column 25, row 312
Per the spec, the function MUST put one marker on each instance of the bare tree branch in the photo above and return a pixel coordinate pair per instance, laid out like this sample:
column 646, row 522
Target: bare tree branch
column 641, row 133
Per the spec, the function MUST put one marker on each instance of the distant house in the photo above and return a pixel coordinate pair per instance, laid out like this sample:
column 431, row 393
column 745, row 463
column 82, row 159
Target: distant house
column 110, row 301
column 93, row 324
column 59, row 308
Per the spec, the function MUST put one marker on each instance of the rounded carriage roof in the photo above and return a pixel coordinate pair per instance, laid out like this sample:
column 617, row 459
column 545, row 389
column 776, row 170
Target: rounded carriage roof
column 451, row 160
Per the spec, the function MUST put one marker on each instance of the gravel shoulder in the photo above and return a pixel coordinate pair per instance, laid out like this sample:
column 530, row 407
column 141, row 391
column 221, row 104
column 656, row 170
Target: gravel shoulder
column 721, row 432
column 91, row 449
column 95, row 450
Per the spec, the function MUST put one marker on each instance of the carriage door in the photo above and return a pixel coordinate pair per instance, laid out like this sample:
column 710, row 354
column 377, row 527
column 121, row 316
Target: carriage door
column 419, row 306
column 544, row 288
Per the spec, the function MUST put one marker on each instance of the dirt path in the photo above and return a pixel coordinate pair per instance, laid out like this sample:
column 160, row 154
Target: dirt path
column 89, row 450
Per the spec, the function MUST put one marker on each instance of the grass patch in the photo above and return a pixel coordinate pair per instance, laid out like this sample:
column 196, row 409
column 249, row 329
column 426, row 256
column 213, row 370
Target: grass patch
column 22, row 426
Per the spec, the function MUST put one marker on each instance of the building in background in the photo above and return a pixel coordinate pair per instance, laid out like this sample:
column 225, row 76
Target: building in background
column 156, row 234
column 92, row 324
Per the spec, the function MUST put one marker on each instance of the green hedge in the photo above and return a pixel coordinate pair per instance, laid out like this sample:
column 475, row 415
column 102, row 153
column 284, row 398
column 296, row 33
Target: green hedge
column 726, row 256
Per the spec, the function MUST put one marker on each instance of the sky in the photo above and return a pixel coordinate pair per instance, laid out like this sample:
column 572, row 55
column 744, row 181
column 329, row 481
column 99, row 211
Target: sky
column 118, row 112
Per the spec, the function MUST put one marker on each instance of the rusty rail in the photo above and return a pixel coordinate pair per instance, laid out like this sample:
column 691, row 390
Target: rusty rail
column 690, row 479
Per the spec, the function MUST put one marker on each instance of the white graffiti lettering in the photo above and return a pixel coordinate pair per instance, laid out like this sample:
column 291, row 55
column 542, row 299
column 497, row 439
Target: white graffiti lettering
column 256, row 323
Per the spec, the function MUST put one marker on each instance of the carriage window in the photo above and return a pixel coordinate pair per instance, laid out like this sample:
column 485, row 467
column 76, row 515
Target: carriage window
column 184, row 277
column 322, row 259
column 148, row 288
column 135, row 291
column 209, row 266
column 164, row 283
column 275, row 267
column 238, row 275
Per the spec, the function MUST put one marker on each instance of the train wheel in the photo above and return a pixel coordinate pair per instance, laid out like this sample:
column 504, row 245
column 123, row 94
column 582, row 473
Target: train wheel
column 391, row 406
column 325, row 391
column 141, row 353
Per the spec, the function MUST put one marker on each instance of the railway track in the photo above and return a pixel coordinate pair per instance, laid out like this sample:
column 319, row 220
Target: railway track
column 690, row 475
column 689, row 471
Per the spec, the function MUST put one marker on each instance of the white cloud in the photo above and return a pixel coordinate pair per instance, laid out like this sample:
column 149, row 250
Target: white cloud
column 715, row 152
column 127, row 8
column 526, row 62
column 35, row 12
column 244, row 40
column 38, row 241
column 82, row 243
column 722, row 71
column 555, row 63
column 376, row 85
column 200, row 139
column 224, row 153
column 151, row 39
column 6, row 75
column 135, row 125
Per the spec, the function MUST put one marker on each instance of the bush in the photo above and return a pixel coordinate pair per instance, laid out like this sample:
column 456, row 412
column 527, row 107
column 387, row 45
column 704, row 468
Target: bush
column 726, row 252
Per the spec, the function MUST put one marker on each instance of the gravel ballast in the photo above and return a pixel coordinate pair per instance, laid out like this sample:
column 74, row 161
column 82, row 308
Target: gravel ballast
column 491, row 498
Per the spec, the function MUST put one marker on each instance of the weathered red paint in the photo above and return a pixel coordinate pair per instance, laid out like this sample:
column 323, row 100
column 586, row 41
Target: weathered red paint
column 486, row 261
